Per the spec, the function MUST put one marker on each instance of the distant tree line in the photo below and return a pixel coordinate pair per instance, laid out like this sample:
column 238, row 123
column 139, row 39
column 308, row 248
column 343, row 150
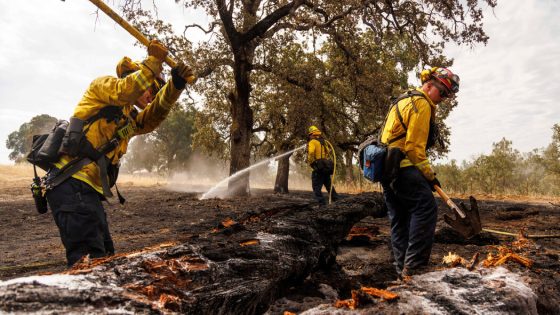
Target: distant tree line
column 507, row 171
column 503, row 171
column 167, row 148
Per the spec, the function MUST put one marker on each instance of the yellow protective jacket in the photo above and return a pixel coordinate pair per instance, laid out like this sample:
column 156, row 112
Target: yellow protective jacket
column 316, row 151
column 416, row 112
column 109, row 90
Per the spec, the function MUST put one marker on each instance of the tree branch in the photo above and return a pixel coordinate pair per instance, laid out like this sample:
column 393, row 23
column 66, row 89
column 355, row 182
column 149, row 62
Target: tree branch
column 216, row 64
column 304, row 85
column 226, row 17
column 214, row 24
column 263, row 25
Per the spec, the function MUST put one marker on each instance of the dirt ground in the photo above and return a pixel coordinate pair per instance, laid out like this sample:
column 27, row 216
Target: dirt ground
column 30, row 242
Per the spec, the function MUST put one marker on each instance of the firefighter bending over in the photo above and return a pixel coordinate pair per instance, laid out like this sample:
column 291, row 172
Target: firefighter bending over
column 103, row 123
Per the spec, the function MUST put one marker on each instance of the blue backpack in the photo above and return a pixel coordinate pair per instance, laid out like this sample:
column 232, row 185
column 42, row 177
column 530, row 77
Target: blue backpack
column 371, row 154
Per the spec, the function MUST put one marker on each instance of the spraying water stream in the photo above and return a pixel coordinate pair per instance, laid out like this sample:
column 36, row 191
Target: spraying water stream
column 213, row 191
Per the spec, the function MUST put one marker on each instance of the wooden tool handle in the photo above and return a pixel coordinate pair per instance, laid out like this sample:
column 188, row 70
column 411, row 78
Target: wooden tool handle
column 449, row 202
column 133, row 31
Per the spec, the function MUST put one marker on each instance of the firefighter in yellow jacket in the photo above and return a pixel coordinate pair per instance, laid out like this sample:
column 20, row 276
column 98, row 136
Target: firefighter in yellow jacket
column 409, row 130
column 319, row 158
column 103, row 122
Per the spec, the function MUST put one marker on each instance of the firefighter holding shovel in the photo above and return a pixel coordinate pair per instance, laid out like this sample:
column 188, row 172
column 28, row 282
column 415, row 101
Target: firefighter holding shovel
column 111, row 111
column 409, row 179
column 85, row 163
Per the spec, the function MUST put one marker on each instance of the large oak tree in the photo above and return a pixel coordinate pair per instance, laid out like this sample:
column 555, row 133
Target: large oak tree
column 240, row 30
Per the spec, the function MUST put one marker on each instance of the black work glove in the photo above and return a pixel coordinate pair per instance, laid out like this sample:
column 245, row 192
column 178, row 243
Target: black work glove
column 180, row 74
column 434, row 182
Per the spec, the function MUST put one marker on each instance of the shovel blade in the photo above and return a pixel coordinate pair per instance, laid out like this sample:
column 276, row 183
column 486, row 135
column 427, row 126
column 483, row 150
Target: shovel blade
column 468, row 226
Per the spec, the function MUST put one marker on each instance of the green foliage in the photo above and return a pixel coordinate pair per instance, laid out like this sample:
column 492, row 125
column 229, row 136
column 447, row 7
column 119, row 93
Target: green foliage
column 20, row 141
column 268, row 69
column 452, row 175
column 551, row 155
column 507, row 171
column 166, row 148
column 142, row 155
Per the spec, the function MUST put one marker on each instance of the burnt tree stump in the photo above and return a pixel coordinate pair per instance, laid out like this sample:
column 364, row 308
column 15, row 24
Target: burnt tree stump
column 238, row 268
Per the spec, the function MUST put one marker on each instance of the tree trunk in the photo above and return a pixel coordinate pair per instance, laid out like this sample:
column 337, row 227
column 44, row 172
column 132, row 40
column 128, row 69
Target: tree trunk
column 282, row 175
column 349, row 168
column 242, row 124
column 239, row 269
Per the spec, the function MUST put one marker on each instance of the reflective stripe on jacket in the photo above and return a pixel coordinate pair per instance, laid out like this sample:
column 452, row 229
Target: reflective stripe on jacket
column 416, row 113
column 108, row 90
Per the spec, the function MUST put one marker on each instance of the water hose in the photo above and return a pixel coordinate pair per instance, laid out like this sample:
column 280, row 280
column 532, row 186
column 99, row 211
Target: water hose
column 334, row 170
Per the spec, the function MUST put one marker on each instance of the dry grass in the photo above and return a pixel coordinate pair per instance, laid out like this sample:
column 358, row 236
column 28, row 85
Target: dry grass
column 19, row 175
column 510, row 197
column 143, row 180
column 356, row 188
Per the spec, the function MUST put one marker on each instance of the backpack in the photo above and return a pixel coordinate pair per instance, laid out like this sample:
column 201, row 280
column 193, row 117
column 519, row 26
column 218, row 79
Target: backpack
column 70, row 138
column 377, row 161
column 45, row 147
column 324, row 166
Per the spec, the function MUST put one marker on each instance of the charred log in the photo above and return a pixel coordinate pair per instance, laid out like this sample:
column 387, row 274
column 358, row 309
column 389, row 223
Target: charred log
column 238, row 268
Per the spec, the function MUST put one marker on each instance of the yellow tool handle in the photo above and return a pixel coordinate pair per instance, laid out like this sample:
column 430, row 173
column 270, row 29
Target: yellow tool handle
column 449, row 202
column 133, row 31
column 334, row 170
column 517, row 234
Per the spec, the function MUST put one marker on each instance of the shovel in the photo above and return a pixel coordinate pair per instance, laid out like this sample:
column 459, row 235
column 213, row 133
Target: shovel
column 133, row 31
column 466, row 221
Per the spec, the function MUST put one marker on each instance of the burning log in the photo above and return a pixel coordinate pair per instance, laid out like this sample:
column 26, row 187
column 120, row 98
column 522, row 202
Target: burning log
column 367, row 233
column 453, row 260
column 239, row 268
column 384, row 294
column 504, row 255
column 474, row 261
column 359, row 297
column 351, row 303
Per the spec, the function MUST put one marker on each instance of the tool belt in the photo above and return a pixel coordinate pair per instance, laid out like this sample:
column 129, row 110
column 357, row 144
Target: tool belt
column 69, row 138
column 324, row 166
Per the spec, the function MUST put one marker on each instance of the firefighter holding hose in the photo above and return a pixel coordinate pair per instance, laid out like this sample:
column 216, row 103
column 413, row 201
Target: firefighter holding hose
column 320, row 158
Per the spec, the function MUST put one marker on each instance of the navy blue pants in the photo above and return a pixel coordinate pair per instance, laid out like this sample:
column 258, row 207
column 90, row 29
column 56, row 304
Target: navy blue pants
column 412, row 211
column 81, row 220
column 318, row 180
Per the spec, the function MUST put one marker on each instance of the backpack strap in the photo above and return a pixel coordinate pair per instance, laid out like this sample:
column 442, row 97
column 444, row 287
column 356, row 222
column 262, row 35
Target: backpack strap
column 322, row 142
column 77, row 164
column 109, row 112
column 97, row 155
column 408, row 94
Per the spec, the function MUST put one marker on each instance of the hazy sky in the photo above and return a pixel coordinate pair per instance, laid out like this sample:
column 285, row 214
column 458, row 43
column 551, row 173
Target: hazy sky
column 51, row 50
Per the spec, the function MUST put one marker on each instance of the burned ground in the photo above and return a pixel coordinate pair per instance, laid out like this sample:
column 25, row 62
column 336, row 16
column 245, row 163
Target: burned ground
column 154, row 215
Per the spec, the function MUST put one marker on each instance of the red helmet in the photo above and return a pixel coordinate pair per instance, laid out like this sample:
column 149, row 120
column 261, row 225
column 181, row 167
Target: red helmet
column 445, row 76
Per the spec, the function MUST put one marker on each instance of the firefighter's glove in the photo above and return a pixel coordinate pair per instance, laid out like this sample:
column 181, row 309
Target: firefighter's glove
column 180, row 74
column 434, row 182
column 156, row 49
